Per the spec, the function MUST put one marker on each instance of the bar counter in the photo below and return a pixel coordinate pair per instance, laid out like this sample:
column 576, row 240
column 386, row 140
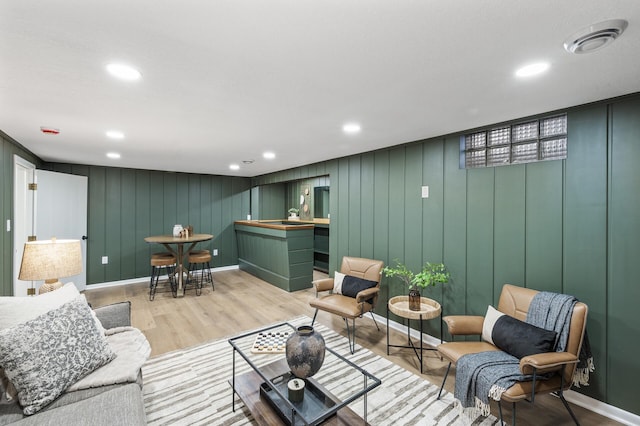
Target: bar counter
column 277, row 251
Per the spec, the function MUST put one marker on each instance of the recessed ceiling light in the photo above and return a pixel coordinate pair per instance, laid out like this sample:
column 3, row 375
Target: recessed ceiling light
column 113, row 155
column 115, row 134
column 124, row 72
column 234, row 167
column 269, row 155
column 351, row 128
column 532, row 69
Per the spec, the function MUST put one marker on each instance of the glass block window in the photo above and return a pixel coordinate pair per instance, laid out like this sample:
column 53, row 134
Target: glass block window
column 536, row 140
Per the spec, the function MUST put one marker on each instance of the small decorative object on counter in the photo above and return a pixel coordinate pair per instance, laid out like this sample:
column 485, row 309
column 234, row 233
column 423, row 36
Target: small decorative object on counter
column 293, row 213
column 177, row 229
column 296, row 390
column 305, row 352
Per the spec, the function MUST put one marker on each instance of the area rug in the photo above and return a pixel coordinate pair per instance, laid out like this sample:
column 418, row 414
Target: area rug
column 190, row 387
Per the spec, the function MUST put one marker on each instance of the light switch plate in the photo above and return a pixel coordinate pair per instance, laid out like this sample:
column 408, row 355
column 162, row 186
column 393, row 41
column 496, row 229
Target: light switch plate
column 425, row 192
column 8, row 225
column 215, row 252
column 105, row 260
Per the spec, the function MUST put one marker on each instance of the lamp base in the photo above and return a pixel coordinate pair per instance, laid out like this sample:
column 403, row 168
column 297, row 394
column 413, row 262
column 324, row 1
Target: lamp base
column 50, row 285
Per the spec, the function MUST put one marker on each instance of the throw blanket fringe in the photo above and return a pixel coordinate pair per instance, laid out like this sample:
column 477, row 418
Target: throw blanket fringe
column 581, row 375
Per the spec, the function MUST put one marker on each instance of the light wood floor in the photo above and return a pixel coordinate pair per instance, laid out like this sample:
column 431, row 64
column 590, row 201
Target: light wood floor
column 241, row 302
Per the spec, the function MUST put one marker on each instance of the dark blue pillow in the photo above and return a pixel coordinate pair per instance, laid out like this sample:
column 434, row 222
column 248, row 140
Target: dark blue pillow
column 520, row 339
column 351, row 286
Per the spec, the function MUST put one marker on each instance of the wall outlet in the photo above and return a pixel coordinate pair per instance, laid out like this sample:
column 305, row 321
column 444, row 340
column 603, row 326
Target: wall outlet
column 215, row 252
column 8, row 225
column 425, row 192
column 105, row 260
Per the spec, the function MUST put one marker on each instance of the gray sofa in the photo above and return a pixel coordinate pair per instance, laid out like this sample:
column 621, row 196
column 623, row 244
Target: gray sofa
column 119, row 404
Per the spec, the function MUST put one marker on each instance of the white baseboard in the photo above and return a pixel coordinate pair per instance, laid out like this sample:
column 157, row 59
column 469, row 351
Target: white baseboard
column 574, row 397
column 146, row 279
column 602, row 408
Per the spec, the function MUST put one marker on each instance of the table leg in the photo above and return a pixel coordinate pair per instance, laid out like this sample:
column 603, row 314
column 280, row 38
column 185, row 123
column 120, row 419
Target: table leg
column 387, row 329
column 421, row 356
column 179, row 268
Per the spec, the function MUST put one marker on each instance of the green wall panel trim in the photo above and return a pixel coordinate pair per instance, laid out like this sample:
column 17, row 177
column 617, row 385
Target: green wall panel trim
column 480, row 231
column 544, row 221
column 412, row 207
column 585, row 229
column 367, row 202
column 509, row 228
column 623, row 291
column 454, row 229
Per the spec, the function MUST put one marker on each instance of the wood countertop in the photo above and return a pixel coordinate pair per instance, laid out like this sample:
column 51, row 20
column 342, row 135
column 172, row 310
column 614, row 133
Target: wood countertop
column 274, row 224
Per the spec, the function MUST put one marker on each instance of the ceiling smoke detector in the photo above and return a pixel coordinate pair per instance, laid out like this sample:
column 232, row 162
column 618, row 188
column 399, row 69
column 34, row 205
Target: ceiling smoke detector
column 595, row 36
column 49, row 130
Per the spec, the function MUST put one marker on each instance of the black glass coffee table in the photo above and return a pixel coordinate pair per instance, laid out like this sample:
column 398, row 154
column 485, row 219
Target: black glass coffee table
column 261, row 383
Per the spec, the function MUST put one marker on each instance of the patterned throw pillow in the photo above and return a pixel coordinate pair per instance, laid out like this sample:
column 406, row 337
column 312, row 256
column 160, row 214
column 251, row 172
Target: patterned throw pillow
column 44, row 356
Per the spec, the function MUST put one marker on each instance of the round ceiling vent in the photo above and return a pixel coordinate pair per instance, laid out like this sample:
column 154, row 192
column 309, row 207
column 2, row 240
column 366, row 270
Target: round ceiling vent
column 595, row 36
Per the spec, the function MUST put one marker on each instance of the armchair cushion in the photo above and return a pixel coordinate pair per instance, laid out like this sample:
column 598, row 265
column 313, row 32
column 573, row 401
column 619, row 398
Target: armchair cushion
column 351, row 286
column 516, row 337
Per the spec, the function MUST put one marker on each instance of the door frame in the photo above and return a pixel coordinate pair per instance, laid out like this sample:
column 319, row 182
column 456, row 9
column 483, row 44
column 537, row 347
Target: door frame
column 23, row 219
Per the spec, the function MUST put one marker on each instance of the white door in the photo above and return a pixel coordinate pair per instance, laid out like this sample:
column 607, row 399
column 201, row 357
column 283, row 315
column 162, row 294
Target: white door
column 61, row 212
column 22, row 226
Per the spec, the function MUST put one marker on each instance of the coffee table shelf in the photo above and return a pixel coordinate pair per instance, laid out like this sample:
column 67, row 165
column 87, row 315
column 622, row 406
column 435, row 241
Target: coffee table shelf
column 338, row 391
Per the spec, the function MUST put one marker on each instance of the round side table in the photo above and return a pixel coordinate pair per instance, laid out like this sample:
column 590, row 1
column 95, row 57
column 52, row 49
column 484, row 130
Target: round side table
column 429, row 309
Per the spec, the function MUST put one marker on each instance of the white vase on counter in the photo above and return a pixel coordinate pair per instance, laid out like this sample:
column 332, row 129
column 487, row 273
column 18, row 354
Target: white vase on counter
column 177, row 229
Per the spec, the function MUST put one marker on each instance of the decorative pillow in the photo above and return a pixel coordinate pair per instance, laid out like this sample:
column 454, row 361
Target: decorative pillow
column 44, row 356
column 337, row 282
column 519, row 338
column 490, row 319
column 351, row 286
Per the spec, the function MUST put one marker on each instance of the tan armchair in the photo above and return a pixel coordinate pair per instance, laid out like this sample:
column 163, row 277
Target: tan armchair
column 345, row 306
column 515, row 301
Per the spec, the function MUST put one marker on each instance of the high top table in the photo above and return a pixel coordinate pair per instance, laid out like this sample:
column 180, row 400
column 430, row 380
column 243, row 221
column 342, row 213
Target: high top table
column 169, row 240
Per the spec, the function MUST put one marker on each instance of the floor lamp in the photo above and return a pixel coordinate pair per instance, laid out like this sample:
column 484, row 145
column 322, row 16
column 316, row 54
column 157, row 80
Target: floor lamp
column 50, row 260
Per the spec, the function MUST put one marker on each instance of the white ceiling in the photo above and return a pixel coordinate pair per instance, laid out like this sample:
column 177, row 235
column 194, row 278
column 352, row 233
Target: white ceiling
column 225, row 80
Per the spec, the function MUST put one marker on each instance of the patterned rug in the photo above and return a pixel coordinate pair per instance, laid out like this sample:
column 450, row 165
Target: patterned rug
column 190, row 387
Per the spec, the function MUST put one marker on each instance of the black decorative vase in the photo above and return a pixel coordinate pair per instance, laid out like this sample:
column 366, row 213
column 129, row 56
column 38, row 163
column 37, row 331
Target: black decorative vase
column 414, row 299
column 305, row 352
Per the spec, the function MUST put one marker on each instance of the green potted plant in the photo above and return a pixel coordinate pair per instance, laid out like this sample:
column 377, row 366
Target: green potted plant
column 430, row 275
column 293, row 213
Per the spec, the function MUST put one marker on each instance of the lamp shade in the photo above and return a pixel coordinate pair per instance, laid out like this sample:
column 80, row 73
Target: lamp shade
column 50, row 259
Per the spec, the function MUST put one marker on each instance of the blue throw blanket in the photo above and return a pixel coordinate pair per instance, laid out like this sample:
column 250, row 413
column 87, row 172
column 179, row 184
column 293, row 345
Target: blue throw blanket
column 487, row 375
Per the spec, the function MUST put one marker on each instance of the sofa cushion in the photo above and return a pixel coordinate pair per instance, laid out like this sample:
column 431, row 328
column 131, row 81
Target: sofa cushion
column 351, row 286
column 516, row 337
column 122, row 405
column 44, row 356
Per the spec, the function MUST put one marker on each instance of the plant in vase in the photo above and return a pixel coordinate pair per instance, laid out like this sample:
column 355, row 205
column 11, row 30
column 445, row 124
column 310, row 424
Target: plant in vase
column 430, row 275
column 293, row 213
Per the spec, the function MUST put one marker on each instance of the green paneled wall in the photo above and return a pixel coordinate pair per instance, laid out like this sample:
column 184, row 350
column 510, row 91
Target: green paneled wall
column 565, row 226
column 126, row 205
column 623, row 291
column 8, row 149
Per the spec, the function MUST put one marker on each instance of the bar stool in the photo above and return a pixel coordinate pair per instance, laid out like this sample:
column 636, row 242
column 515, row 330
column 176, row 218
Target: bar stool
column 200, row 269
column 167, row 261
